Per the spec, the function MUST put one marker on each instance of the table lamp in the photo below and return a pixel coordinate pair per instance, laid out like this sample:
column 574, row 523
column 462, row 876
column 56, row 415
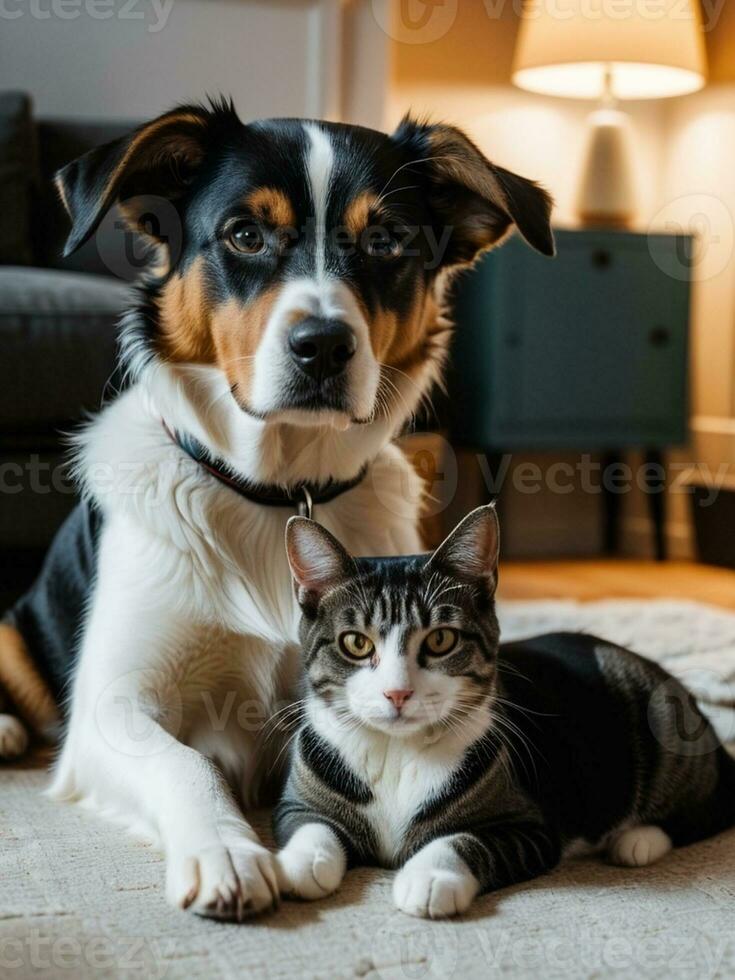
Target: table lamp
column 642, row 49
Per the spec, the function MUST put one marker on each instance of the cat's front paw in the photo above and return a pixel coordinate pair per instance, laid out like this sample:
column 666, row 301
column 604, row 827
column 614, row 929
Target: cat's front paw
column 312, row 864
column 435, row 883
column 639, row 846
column 433, row 893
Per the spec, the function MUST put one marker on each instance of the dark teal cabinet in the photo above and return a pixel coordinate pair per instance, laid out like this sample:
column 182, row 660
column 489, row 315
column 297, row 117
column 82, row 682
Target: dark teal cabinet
column 585, row 351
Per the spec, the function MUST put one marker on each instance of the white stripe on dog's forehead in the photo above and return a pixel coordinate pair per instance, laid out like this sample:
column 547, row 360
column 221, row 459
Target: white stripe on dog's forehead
column 319, row 164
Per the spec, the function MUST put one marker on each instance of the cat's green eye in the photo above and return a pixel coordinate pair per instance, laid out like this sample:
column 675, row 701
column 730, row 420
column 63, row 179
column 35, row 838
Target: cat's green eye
column 441, row 641
column 356, row 645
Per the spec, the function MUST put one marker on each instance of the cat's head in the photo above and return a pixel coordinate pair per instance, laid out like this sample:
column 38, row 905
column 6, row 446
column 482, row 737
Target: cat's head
column 399, row 644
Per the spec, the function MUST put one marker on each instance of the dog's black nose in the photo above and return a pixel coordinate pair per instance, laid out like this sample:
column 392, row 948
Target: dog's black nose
column 321, row 347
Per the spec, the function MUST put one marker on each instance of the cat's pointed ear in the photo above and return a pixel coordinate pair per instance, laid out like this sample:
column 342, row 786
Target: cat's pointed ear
column 317, row 559
column 471, row 551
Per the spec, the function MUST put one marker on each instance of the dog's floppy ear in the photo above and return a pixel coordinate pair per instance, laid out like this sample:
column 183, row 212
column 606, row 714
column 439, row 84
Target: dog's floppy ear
column 478, row 200
column 159, row 158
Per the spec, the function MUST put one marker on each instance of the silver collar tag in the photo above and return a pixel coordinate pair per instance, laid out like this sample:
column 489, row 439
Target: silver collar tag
column 306, row 506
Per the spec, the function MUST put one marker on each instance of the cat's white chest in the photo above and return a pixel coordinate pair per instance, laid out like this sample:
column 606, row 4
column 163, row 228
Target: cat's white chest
column 403, row 777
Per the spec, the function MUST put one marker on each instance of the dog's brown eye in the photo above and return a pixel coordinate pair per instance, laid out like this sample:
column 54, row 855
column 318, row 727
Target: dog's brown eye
column 246, row 237
column 356, row 645
column 381, row 244
column 441, row 641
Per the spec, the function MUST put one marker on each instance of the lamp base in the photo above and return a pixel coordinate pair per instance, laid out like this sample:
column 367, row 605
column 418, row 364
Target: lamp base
column 606, row 195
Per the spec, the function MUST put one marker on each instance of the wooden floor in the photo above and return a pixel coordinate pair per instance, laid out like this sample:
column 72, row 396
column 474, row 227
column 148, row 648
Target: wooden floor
column 623, row 578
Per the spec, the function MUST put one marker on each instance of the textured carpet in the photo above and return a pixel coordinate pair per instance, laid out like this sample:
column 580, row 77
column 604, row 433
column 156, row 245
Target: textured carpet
column 80, row 899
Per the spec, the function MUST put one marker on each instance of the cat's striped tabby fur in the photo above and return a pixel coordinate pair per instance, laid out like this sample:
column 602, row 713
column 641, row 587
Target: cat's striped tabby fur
column 425, row 746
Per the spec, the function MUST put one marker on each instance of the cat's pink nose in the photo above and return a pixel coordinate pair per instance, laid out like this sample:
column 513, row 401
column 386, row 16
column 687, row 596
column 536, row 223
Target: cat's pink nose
column 398, row 698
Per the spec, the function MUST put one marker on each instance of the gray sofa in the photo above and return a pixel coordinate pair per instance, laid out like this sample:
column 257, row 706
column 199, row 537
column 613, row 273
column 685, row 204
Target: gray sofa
column 57, row 329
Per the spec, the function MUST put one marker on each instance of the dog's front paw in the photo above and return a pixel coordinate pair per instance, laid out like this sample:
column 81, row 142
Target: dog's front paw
column 220, row 882
column 13, row 737
column 313, row 863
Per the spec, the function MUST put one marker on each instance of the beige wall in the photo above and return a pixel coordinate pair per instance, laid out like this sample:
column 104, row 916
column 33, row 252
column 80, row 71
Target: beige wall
column 684, row 150
column 274, row 57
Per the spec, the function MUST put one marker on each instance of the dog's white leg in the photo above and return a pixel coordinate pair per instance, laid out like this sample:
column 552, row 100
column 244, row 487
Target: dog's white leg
column 215, row 864
column 126, row 748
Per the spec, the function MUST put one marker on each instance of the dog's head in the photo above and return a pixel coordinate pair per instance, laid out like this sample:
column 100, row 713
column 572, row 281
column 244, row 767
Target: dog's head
column 310, row 252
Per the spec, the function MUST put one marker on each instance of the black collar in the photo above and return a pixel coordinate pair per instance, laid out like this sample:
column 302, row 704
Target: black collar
column 301, row 497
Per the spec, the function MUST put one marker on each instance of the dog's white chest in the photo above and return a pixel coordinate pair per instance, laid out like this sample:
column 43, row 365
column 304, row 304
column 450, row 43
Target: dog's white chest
column 232, row 689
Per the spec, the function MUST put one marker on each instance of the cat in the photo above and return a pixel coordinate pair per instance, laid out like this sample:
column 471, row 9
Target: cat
column 467, row 765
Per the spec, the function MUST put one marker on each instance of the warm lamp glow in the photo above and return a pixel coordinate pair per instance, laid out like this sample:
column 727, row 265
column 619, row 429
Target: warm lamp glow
column 644, row 51
column 586, row 80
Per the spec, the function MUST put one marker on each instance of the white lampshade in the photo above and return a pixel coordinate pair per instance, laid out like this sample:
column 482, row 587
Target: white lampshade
column 650, row 48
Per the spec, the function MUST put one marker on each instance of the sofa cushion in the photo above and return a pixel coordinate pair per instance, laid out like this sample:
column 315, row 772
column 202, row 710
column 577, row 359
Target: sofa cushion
column 37, row 495
column 18, row 175
column 58, row 340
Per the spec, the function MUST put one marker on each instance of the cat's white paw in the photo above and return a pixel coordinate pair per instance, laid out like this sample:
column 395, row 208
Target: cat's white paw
column 433, row 893
column 312, row 864
column 220, row 882
column 435, row 884
column 13, row 737
column 639, row 846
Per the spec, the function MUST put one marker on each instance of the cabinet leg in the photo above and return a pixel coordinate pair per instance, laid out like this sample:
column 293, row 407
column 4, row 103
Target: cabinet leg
column 611, row 503
column 656, row 493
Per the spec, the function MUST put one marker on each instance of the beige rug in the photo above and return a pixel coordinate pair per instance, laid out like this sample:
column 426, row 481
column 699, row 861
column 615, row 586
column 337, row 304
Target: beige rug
column 79, row 899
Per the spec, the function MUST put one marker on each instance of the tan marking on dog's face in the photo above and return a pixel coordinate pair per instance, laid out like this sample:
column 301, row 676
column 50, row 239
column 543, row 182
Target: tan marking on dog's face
column 237, row 331
column 61, row 190
column 195, row 330
column 359, row 212
column 401, row 343
column 272, row 206
column 185, row 317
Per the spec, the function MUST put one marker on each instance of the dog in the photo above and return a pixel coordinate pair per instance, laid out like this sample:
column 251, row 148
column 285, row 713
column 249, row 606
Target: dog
column 272, row 357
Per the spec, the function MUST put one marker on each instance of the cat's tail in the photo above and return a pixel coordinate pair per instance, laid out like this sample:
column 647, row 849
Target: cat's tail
column 721, row 807
column 726, row 763
column 706, row 793
column 716, row 700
